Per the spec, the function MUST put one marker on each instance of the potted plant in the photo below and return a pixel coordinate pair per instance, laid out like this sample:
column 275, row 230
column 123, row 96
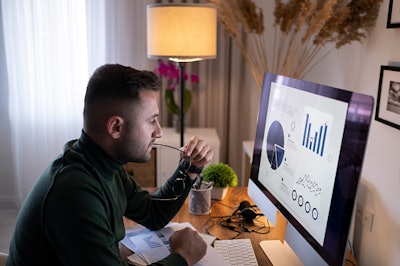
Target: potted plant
column 223, row 177
column 169, row 71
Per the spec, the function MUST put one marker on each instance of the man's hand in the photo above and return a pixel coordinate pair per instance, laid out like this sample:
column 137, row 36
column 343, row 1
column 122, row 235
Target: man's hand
column 189, row 244
column 199, row 150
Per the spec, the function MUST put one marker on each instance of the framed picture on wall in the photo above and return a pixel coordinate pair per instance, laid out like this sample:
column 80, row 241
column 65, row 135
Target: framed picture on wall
column 394, row 14
column 388, row 100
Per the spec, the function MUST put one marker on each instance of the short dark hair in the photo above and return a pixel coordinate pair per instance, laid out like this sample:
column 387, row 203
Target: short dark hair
column 112, row 89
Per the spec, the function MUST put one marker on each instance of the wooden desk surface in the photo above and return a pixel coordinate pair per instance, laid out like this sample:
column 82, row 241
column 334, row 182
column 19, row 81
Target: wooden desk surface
column 225, row 208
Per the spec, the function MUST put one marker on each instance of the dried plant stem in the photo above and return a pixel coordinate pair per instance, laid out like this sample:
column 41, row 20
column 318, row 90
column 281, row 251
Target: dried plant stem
column 306, row 31
column 312, row 64
column 253, row 52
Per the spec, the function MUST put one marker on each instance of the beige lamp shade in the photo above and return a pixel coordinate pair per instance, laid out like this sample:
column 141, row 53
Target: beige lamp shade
column 181, row 32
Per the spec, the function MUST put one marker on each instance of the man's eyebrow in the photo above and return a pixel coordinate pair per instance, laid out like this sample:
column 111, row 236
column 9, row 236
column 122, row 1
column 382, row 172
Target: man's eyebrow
column 155, row 116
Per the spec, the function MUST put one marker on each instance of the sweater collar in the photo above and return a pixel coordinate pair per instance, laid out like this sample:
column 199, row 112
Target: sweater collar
column 96, row 156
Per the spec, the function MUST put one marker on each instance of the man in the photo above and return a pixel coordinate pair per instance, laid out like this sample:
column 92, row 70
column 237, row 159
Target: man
column 74, row 213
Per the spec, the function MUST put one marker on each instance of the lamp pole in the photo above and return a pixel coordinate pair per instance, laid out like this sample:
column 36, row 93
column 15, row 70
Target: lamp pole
column 181, row 66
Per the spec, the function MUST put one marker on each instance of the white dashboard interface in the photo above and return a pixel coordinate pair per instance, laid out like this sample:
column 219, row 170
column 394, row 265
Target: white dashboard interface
column 301, row 147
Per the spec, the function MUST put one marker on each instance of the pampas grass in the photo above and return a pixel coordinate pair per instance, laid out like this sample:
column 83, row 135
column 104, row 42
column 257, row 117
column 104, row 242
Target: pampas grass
column 306, row 31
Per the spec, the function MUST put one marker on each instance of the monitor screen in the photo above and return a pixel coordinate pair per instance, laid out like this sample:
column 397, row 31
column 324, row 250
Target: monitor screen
column 308, row 152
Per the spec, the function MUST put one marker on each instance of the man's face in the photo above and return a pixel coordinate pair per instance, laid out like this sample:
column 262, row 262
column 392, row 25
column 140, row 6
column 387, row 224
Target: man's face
column 141, row 129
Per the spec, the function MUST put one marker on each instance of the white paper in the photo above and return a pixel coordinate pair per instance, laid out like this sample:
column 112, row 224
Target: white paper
column 152, row 246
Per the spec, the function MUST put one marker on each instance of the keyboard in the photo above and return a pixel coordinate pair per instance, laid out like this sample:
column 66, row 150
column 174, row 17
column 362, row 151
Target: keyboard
column 236, row 251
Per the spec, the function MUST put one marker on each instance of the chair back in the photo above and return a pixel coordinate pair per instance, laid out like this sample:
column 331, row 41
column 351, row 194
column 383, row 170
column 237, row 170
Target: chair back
column 3, row 259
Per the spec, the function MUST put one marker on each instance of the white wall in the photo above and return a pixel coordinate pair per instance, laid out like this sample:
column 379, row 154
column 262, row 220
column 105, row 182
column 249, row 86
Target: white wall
column 356, row 67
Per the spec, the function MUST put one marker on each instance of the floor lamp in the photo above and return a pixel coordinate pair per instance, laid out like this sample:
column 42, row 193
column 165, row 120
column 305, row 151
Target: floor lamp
column 181, row 33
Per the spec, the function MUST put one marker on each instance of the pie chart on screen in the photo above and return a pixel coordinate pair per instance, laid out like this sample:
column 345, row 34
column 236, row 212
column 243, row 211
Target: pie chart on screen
column 275, row 145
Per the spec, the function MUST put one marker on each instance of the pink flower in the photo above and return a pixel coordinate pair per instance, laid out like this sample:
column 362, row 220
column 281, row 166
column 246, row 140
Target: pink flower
column 194, row 78
column 170, row 72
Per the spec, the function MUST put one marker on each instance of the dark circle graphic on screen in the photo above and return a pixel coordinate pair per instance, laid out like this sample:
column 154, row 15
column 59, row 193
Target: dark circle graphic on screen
column 275, row 144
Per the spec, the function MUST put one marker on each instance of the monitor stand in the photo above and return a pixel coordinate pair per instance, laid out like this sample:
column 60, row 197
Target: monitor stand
column 280, row 254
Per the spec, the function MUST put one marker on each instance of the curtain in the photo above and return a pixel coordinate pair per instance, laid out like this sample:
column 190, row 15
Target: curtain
column 45, row 49
column 51, row 48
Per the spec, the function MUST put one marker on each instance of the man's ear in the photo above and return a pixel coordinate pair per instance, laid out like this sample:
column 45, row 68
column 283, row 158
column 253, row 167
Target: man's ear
column 114, row 126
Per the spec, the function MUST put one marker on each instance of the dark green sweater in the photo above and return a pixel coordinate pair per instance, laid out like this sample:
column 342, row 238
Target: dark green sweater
column 73, row 215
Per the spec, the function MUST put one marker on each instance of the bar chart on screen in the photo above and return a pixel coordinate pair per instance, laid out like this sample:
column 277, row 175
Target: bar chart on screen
column 316, row 128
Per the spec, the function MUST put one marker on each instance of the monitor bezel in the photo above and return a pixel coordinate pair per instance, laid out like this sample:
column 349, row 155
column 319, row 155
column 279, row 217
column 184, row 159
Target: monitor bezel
column 333, row 254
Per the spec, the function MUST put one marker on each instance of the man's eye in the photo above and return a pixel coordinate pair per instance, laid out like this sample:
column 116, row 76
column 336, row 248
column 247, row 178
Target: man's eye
column 154, row 121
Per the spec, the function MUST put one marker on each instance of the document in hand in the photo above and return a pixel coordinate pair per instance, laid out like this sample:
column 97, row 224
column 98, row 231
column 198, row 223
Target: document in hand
column 151, row 246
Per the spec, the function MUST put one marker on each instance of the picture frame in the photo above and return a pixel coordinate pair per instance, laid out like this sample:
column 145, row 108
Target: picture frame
column 388, row 99
column 393, row 14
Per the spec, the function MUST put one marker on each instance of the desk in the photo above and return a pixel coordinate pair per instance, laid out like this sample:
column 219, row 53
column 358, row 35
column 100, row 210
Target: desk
column 219, row 208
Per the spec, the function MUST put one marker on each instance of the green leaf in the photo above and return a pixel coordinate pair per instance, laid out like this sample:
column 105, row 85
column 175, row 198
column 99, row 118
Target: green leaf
column 187, row 100
column 172, row 107
column 170, row 101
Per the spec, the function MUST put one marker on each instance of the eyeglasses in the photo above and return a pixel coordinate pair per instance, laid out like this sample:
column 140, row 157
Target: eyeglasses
column 185, row 162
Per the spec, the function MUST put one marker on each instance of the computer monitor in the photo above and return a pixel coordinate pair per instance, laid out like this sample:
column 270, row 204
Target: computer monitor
column 307, row 158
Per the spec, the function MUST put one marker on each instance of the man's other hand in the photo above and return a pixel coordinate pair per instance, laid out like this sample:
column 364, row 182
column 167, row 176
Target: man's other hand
column 189, row 244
